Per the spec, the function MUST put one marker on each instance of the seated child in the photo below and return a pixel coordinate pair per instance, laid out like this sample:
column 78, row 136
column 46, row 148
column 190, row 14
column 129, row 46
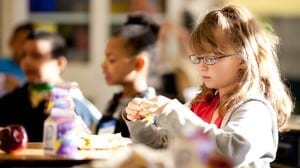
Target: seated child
column 11, row 73
column 128, row 56
column 43, row 62
column 243, row 103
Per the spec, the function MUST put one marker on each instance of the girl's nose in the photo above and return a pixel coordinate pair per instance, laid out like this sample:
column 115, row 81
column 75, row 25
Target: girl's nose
column 202, row 66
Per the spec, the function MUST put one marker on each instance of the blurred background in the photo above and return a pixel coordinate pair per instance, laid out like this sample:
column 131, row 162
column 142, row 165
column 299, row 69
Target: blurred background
column 86, row 25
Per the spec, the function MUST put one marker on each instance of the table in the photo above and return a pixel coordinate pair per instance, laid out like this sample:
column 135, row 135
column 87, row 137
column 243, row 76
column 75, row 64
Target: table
column 34, row 156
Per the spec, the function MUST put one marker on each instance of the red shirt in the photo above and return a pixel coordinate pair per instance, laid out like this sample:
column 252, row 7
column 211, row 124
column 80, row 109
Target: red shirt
column 206, row 110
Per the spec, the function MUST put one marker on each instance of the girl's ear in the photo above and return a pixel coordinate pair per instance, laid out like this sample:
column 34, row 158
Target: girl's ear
column 242, row 64
column 139, row 62
column 62, row 62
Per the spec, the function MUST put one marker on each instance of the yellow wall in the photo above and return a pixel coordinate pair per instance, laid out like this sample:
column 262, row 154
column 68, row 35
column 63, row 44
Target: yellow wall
column 288, row 8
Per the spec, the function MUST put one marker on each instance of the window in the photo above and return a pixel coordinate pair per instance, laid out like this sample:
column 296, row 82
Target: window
column 68, row 17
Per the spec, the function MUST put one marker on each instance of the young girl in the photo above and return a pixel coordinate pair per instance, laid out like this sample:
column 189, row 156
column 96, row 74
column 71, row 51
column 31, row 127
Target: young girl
column 243, row 101
column 129, row 52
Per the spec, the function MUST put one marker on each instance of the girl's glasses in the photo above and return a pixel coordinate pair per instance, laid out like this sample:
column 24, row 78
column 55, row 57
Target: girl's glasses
column 208, row 60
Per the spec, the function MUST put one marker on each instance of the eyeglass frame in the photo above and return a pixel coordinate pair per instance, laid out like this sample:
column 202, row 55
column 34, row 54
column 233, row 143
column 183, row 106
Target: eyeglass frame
column 214, row 58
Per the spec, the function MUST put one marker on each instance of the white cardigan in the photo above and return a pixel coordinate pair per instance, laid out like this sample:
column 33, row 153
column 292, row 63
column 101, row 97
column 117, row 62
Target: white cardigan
column 248, row 134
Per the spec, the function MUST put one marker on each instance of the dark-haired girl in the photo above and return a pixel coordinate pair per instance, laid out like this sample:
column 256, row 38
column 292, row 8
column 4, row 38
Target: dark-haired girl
column 128, row 56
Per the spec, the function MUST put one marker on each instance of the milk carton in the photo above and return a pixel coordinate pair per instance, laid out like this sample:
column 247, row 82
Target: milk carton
column 60, row 133
column 61, row 125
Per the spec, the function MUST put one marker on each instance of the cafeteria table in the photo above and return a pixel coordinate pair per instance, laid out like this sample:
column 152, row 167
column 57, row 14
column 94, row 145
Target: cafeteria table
column 34, row 156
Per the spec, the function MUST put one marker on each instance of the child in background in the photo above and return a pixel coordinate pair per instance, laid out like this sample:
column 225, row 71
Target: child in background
column 128, row 56
column 10, row 70
column 243, row 103
column 43, row 62
column 185, row 74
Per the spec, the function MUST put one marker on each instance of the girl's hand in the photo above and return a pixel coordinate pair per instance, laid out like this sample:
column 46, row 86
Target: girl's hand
column 133, row 108
column 139, row 108
column 153, row 106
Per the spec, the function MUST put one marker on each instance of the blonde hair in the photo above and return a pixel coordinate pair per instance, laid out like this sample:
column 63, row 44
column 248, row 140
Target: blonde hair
column 257, row 48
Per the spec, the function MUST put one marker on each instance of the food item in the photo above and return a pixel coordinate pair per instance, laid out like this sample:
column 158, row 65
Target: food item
column 63, row 127
column 13, row 138
column 217, row 160
column 60, row 98
column 59, row 133
column 59, row 128
column 135, row 160
column 142, row 156
column 103, row 141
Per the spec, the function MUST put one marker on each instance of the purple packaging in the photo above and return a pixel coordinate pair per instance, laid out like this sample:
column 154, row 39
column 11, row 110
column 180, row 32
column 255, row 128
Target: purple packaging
column 60, row 98
column 60, row 133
